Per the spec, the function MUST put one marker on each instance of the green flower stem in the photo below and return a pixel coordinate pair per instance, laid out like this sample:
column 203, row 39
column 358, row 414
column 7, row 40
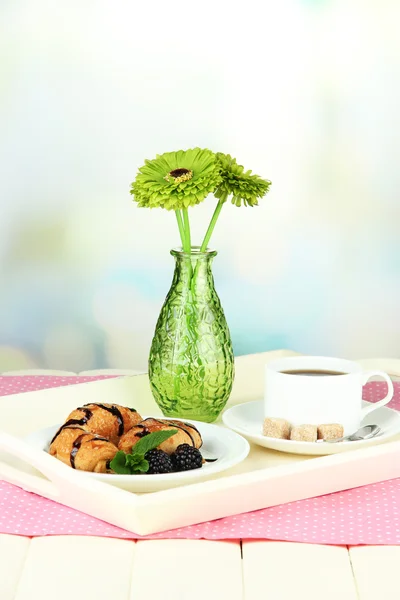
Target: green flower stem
column 213, row 221
column 208, row 235
column 190, row 324
column 188, row 244
column 180, row 226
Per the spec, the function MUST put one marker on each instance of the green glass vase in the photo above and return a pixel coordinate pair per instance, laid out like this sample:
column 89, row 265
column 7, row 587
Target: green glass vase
column 191, row 365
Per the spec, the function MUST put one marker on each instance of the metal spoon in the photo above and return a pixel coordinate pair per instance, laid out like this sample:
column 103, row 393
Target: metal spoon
column 364, row 433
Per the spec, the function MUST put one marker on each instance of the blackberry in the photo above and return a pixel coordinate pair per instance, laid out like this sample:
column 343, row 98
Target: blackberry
column 186, row 458
column 159, row 462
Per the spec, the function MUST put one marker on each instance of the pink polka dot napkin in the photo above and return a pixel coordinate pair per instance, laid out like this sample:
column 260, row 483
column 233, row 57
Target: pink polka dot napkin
column 366, row 515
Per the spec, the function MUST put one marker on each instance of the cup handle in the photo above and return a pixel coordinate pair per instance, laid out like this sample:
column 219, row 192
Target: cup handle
column 368, row 409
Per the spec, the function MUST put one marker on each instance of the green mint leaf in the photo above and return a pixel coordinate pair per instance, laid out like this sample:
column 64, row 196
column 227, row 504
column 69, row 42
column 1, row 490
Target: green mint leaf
column 152, row 440
column 119, row 464
column 141, row 467
column 134, row 459
column 137, row 463
column 128, row 464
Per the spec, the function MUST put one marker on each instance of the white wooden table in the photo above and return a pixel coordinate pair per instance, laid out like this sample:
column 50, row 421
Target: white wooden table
column 72, row 567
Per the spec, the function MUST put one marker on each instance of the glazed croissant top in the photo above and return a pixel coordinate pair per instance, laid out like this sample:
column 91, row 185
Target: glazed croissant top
column 186, row 434
column 110, row 421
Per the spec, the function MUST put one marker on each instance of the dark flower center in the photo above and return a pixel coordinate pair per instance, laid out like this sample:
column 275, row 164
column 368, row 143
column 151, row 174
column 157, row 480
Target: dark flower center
column 178, row 172
column 179, row 175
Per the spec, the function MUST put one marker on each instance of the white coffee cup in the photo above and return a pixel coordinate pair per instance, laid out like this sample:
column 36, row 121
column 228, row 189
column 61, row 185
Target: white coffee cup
column 315, row 398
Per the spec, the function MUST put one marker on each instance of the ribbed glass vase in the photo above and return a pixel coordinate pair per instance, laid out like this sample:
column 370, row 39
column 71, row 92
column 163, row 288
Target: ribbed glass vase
column 191, row 366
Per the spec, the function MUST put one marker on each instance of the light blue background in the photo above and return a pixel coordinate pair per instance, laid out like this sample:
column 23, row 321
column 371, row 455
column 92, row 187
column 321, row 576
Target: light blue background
column 304, row 93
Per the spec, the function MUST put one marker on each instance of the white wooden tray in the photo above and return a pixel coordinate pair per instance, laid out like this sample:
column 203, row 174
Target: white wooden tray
column 264, row 479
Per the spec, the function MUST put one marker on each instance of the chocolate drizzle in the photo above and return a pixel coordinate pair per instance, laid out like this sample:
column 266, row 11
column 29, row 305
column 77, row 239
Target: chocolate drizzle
column 191, row 426
column 117, row 413
column 78, row 443
column 75, row 447
column 143, row 433
column 88, row 414
column 175, row 424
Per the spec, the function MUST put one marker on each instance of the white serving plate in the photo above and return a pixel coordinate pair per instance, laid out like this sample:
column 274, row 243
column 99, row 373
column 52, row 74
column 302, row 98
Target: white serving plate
column 266, row 478
column 247, row 419
column 225, row 445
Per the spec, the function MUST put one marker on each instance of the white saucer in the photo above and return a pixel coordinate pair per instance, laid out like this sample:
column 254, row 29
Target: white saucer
column 226, row 446
column 247, row 419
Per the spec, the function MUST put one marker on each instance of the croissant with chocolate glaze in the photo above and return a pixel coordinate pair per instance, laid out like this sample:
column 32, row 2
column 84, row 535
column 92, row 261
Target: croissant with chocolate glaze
column 82, row 450
column 186, row 434
column 110, row 421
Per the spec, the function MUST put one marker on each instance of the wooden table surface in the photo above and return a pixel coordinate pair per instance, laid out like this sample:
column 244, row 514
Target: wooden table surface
column 72, row 567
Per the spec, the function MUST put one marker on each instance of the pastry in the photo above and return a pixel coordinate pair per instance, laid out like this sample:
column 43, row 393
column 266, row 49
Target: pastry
column 191, row 430
column 82, row 450
column 107, row 420
column 187, row 434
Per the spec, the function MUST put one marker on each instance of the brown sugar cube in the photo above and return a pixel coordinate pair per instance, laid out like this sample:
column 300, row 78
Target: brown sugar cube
column 276, row 428
column 330, row 431
column 304, row 433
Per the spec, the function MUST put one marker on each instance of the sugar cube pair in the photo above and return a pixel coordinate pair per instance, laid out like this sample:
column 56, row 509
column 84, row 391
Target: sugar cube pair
column 282, row 429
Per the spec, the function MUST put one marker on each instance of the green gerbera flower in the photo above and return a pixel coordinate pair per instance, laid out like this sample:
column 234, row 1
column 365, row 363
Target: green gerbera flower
column 243, row 186
column 176, row 180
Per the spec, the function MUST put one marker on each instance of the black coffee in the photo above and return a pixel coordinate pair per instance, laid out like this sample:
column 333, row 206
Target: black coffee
column 313, row 373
